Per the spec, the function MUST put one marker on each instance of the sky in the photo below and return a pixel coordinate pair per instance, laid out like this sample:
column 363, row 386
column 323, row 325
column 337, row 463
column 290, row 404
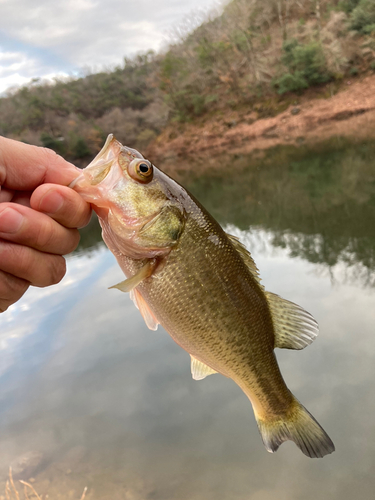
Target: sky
column 49, row 38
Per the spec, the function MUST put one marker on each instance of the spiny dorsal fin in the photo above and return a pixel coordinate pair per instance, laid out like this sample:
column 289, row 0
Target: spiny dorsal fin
column 294, row 327
column 246, row 257
column 143, row 273
column 199, row 370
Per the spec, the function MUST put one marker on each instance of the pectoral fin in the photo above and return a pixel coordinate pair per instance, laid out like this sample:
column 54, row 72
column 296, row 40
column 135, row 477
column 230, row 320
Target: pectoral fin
column 199, row 370
column 130, row 283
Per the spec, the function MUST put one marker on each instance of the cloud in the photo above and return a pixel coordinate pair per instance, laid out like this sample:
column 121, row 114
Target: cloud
column 64, row 36
column 18, row 68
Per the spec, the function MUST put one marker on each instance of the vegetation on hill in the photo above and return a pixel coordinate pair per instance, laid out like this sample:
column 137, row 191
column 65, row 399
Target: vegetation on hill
column 254, row 54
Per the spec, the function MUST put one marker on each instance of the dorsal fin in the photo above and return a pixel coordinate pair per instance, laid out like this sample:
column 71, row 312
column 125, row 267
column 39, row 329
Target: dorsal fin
column 199, row 370
column 294, row 327
column 246, row 257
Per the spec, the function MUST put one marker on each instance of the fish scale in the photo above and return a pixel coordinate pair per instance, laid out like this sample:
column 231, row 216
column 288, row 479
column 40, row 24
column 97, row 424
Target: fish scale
column 185, row 273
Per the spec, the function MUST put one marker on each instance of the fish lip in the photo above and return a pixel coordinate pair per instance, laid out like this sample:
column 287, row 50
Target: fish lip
column 104, row 155
column 110, row 141
column 106, row 146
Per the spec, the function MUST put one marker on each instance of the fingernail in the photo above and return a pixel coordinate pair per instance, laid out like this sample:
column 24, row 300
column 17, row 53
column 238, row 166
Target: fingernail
column 10, row 221
column 51, row 202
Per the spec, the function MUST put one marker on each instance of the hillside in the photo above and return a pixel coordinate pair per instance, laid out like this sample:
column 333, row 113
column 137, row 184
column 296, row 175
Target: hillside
column 250, row 70
column 309, row 120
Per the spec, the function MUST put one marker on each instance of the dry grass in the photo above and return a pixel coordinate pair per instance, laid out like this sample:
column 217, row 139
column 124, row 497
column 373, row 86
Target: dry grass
column 29, row 493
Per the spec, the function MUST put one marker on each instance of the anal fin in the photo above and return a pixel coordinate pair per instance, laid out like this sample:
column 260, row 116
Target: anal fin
column 199, row 370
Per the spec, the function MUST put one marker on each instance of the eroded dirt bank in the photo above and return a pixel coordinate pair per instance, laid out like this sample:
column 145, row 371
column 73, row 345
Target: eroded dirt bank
column 350, row 113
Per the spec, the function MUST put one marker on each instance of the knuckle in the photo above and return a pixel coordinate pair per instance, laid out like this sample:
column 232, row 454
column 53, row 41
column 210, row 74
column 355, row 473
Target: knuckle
column 86, row 217
column 17, row 286
column 72, row 212
column 77, row 212
column 14, row 256
column 45, row 235
column 4, row 304
column 56, row 240
column 29, row 266
column 21, row 257
column 56, row 270
column 11, row 289
column 48, row 157
column 49, row 154
column 74, row 238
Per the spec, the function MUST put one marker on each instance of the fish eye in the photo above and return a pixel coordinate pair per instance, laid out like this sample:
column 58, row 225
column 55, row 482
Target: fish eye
column 144, row 169
column 140, row 170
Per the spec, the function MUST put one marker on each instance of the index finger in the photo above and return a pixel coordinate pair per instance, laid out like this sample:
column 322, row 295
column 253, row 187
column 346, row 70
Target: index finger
column 24, row 167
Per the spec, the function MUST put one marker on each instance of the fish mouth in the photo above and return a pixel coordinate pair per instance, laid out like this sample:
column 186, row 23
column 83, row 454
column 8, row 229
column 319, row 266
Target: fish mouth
column 100, row 166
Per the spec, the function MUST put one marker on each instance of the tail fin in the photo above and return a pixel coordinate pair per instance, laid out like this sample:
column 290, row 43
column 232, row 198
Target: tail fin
column 298, row 426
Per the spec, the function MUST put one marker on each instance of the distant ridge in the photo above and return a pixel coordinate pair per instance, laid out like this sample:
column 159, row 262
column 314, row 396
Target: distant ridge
column 253, row 60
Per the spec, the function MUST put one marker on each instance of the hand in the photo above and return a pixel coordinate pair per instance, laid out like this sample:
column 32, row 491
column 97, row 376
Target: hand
column 39, row 217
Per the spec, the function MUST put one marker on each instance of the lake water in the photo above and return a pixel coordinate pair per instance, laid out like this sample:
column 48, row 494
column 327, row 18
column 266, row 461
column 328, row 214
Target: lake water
column 90, row 397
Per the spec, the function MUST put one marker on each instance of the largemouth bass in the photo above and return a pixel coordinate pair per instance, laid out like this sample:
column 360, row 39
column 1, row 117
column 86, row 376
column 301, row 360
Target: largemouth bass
column 202, row 285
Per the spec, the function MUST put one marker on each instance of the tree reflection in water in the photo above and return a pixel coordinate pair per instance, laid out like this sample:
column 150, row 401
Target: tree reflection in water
column 319, row 203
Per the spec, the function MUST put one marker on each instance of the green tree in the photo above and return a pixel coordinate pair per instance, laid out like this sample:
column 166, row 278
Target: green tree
column 81, row 149
column 362, row 18
column 306, row 64
column 57, row 144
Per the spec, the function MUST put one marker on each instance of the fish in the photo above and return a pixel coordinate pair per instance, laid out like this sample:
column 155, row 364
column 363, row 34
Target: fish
column 184, row 272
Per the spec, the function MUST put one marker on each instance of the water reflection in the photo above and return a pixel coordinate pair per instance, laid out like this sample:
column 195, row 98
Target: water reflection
column 89, row 396
column 320, row 204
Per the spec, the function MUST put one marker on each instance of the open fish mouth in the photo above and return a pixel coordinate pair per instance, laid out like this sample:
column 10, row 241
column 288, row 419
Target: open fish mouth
column 100, row 166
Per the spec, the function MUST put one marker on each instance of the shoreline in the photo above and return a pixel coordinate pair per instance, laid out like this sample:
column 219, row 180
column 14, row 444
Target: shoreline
column 349, row 113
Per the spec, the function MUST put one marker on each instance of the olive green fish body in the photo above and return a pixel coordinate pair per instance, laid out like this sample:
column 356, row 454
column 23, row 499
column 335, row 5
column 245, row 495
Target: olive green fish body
column 185, row 273
column 212, row 306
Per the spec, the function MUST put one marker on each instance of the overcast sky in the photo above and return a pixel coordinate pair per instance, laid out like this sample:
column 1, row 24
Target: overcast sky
column 44, row 38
